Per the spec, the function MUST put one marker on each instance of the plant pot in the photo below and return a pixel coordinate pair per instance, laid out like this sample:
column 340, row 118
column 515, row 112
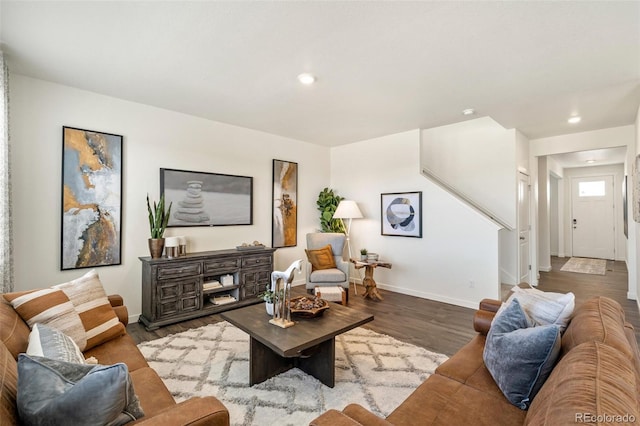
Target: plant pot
column 269, row 308
column 156, row 246
column 363, row 257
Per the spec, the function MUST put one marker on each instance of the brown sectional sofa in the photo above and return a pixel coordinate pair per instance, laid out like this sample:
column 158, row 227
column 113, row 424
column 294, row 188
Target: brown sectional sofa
column 157, row 403
column 596, row 380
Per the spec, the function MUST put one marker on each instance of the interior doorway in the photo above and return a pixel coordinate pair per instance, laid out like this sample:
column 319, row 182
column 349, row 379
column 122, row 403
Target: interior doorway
column 592, row 217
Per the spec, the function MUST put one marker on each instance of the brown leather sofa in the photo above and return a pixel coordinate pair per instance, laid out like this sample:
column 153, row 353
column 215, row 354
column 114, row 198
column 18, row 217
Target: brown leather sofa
column 596, row 380
column 157, row 403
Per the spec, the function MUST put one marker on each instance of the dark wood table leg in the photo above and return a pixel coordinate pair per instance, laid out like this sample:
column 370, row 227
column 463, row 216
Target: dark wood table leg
column 264, row 363
column 371, row 289
column 321, row 362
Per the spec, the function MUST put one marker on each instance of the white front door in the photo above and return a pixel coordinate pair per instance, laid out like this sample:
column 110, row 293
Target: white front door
column 523, row 227
column 592, row 217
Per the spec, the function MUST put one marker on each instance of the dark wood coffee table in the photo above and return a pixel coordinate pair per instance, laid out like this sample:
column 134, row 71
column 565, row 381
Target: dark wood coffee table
column 309, row 345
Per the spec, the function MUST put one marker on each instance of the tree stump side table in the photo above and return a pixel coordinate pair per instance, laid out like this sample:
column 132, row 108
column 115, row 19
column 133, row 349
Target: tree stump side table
column 371, row 289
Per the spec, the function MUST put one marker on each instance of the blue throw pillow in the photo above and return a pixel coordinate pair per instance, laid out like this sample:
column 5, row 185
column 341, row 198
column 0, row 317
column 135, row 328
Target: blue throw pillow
column 52, row 392
column 518, row 356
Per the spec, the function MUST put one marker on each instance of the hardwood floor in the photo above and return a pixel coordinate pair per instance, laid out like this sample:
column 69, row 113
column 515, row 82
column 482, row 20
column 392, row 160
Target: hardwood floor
column 441, row 327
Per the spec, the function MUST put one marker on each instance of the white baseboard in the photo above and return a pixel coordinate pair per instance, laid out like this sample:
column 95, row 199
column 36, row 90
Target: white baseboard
column 134, row 318
column 544, row 268
column 431, row 296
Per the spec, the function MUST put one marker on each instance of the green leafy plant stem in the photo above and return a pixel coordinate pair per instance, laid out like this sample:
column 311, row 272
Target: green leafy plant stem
column 158, row 217
column 327, row 204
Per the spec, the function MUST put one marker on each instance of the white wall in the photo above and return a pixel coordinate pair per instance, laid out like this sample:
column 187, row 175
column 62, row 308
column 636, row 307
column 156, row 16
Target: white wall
column 153, row 138
column 458, row 245
column 553, row 216
column 478, row 158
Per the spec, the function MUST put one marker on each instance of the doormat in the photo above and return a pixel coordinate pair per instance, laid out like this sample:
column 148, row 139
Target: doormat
column 372, row 369
column 583, row 265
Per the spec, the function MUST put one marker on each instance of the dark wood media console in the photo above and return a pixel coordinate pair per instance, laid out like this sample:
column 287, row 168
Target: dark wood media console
column 176, row 289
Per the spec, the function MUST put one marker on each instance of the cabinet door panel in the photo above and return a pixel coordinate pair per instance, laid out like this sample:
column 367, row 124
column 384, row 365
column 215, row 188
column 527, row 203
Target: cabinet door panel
column 168, row 308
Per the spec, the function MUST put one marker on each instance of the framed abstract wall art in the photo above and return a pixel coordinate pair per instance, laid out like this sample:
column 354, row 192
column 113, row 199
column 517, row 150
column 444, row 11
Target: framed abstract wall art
column 284, row 230
column 401, row 214
column 91, row 198
column 207, row 199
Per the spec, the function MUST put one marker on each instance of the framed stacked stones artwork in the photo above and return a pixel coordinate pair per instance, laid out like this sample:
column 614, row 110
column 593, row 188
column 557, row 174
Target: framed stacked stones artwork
column 401, row 214
column 207, row 199
column 284, row 229
column 91, row 199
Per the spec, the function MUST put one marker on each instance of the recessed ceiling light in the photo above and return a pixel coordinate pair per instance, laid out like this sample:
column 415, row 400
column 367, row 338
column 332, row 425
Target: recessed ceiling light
column 306, row 78
column 574, row 119
column 468, row 111
column 591, row 161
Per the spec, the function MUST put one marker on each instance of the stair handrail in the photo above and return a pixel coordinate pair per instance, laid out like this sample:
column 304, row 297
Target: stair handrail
column 488, row 214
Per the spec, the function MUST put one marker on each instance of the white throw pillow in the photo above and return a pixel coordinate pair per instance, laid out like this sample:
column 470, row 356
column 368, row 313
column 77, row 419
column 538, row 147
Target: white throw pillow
column 543, row 307
column 48, row 342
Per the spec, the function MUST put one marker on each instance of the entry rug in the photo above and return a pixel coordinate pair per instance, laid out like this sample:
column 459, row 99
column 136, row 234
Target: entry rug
column 372, row 369
column 584, row 265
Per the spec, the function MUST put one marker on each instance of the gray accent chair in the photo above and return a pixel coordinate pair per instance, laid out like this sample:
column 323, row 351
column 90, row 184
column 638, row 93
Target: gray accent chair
column 328, row 277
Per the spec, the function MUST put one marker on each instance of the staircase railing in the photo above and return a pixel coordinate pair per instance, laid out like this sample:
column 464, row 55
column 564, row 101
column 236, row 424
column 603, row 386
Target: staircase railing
column 488, row 214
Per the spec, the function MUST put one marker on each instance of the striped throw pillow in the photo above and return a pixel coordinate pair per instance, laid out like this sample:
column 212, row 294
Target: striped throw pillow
column 92, row 305
column 51, row 307
column 79, row 308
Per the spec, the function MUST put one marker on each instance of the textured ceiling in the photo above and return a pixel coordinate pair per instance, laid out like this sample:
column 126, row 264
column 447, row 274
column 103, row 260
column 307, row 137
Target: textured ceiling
column 382, row 67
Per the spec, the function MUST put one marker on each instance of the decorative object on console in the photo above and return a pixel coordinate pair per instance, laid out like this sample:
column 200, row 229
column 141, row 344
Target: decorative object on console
column 207, row 199
column 158, row 219
column 284, row 228
column 252, row 246
column 91, row 199
column 281, row 286
column 401, row 214
column 182, row 248
column 172, row 247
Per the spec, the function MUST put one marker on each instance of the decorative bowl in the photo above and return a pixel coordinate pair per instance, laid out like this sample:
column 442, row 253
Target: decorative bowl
column 308, row 306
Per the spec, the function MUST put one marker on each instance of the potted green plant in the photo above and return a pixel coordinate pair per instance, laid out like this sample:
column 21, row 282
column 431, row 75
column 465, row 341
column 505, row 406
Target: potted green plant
column 269, row 297
column 363, row 254
column 158, row 220
column 327, row 204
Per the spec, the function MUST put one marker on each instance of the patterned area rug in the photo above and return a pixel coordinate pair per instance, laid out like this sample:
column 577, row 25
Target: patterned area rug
column 372, row 369
column 584, row 265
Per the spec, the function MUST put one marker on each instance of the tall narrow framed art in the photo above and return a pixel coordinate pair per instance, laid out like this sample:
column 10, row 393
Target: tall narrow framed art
column 284, row 230
column 91, row 199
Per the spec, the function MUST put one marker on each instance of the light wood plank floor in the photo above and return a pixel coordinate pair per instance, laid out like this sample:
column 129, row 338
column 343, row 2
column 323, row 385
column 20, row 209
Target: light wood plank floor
column 441, row 327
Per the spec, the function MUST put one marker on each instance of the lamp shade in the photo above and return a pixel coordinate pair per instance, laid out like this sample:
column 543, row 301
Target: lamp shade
column 347, row 209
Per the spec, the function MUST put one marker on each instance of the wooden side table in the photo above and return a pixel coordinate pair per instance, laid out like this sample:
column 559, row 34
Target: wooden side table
column 371, row 289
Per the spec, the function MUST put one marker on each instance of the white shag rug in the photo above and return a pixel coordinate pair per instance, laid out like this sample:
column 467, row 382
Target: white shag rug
column 372, row 369
column 585, row 265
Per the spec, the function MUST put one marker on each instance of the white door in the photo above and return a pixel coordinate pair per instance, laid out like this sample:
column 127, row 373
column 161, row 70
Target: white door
column 523, row 227
column 592, row 217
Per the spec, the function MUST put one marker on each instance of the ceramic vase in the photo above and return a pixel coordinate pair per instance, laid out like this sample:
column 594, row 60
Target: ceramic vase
column 269, row 308
column 156, row 246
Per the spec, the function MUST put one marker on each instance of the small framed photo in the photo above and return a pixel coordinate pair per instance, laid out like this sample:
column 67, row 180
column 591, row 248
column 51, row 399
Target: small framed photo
column 401, row 214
